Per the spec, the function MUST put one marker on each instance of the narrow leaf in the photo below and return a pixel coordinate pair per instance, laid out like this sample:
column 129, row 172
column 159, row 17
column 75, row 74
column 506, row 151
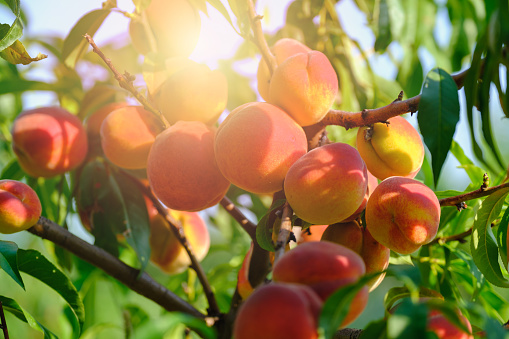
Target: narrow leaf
column 483, row 244
column 439, row 112
column 9, row 261
column 35, row 264
column 384, row 37
column 17, row 54
column 502, row 238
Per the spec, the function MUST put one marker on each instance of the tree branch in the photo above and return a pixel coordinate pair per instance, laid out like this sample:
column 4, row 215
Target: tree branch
column 478, row 193
column 237, row 214
column 284, row 231
column 130, row 277
column 259, row 38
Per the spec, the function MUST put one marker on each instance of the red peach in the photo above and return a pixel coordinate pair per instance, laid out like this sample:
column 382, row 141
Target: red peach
column 20, row 207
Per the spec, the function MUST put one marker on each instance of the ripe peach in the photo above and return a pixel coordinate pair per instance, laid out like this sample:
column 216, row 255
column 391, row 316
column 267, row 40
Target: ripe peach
column 325, row 267
column 444, row 329
column 305, row 86
column 256, row 145
column 48, row 141
column 182, row 169
column 127, row 135
column 243, row 285
column 327, row 185
column 166, row 251
column 173, row 25
column 392, row 150
column 20, row 207
column 372, row 183
column 282, row 50
column 312, row 233
column 403, row 214
column 192, row 93
column 94, row 121
column 277, row 311
column 358, row 239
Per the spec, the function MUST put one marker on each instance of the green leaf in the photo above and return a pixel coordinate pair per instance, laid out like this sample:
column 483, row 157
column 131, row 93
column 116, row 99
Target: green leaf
column 384, row 37
column 75, row 45
column 375, row 329
column 447, row 194
column 483, row 244
column 502, row 238
column 17, row 54
column 264, row 230
column 16, row 85
column 398, row 293
column 197, row 325
column 439, row 112
column 35, row 264
column 9, row 34
column 408, row 321
column 410, row 74
column 474, row 173
column 12, row 171
column 9, row 261
column 13, row 307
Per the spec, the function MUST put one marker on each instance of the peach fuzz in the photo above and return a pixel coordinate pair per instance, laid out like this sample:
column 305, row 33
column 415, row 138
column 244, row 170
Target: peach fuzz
column 277, row 311
column 282, row 50
column 444, row 329
column 192, row 93
column 94, row 121
column 182, row 169
column 358, row 239
column 305, row 86
column 327, row 185
column 127, row 134
column 403, row 214
column 166, row 251
column 392, row 150
column 325, row 267
column 173, row 25
column 20, row 207
column 256, row 145
column 48, row 141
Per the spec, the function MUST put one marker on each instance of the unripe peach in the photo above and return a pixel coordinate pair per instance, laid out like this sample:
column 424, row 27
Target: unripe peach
column 282, row 50
column 20, row 207
column 358, row 239
column 325, row 267
column 48, row 141
column 167, row 252
column 327, row 185
column 182, row 169
column 444, row 329
column 127, row 134
column 277, row 311
column 174, row 25
column 256, row 145
column 389, row 150
column 193, row 93
column 305, row 86
column 403, row 214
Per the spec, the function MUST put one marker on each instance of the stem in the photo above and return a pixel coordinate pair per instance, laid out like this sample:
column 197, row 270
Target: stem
column 3, row 324
column 126, row 82
column 177, row 229
column 284, row 231
column 237, row 214
column 479, row 193
column 259, row 38
column 130, row 277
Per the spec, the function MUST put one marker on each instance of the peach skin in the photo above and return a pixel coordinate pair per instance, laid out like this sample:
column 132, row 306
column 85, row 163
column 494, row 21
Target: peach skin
column 403, row 214
column 391, row 150
column 20, row 207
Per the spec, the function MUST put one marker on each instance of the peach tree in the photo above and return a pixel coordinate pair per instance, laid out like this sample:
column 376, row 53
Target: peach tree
column 343, row 187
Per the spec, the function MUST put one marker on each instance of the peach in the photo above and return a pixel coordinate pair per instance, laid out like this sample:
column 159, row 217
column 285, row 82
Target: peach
column 403, row 214
column 256, row 145
column 392, row 150
column 325, row 267
column 305, row 86
column 243, row 285
column 182, row 169
column 173, row 28
column 20, row 207
column 444, row 329
column 282, row 50
column 166, row 251
column 358, row 239
column 127, row 134
column 48, row 141
column 94, row 121
column 312, row 233
column 192, row 93
column 327, row 185
column 372, row 183
column 276, row 311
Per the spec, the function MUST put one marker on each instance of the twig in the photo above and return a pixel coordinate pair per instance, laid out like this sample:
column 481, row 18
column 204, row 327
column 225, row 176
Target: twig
column 284, row 232
column 456, row 237
column 259, row 38
column 126, row 82
column 371, row 116
column 177, row 229
column 3, row 323
column 130, row 277
column 237, row 214
column 478, row 193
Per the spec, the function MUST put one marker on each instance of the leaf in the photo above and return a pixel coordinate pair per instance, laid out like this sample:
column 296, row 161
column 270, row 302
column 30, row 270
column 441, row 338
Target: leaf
column 197, row 325
column 483, row 244
column 16, row 85
column 35, row 264
column 408, row 321
column 375, row 329
column 398, row 293
column 217, row 4
column 474, row 173
column 75, row 45
column 410, row 74
column 383, row 38
column 9, row 261
column 17, row 54
column 439, row 113
column 9, row 34
column 502, row 238
column 13, row 307
column 264, row 230
column 12, row 171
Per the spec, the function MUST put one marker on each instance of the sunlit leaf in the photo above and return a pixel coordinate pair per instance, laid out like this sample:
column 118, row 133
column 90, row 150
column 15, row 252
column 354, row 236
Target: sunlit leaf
column 17, row 54
column 10, row 33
